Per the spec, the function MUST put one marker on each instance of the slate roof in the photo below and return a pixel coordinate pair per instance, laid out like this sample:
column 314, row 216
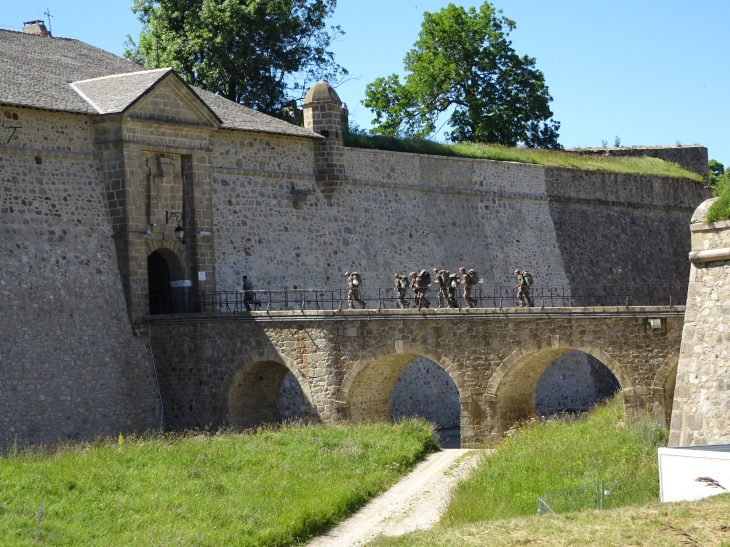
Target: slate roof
column 113, row 94
column 42, row 72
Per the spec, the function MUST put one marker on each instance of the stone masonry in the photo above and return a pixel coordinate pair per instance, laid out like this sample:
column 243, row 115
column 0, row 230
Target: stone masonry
column 123, row 187
column 701, row 412
column 225, row 369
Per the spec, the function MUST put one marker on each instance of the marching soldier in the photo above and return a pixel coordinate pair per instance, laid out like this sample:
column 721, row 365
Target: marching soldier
column 420, row 287
column 354, row 284
column 523, row 288
column 401, row 285
column 468, row 282
column 442, row 278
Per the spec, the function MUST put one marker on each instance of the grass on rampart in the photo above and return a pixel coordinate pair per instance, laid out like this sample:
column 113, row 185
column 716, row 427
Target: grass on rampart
column 555, row 158
column 720, row 210
column 270, row 488
column 539, row 458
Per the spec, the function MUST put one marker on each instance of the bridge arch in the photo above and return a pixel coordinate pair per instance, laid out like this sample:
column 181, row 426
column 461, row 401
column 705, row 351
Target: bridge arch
column 367, row 387
column 252, row 389
column 511, row 388
column 665, row 380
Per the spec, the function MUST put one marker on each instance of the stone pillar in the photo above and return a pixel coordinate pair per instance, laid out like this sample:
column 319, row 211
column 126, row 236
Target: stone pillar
column 701, row 409
column 323, row 115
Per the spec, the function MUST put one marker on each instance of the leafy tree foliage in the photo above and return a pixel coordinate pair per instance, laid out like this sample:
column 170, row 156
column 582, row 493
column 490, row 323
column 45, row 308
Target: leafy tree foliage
column 462, row 61
column 719, row 177
column 261, row 53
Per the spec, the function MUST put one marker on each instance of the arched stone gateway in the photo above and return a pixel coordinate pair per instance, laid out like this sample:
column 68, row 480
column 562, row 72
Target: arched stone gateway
column 512, row 388
column 573, row 383
column 163, row 267
column 266, row 391
column 367, row 390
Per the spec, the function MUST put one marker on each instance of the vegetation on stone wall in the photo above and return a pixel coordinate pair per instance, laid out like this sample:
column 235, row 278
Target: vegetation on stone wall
column 274, row 487
column 556, row 158
column 720, row 182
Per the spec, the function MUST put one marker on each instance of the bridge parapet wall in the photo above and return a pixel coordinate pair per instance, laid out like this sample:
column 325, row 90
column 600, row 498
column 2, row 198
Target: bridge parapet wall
column 347, row 362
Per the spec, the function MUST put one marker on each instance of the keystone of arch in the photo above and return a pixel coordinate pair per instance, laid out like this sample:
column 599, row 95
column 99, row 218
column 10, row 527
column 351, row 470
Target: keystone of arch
column 556, row 343
column 401, row 347
column 274, row 357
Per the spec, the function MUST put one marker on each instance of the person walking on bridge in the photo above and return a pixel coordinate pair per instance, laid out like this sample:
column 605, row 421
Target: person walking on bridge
column 468, row 279
column 442, row 279
column 354, row 284
column 524, row 280
column 419, row 284
column 401, row 285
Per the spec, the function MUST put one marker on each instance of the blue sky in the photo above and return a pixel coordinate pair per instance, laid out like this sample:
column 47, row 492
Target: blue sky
column 650, row 72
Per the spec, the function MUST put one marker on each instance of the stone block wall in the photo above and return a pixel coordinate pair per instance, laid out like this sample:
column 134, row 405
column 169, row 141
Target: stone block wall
column 69, row 364
column 399, row 212
column 701, row 410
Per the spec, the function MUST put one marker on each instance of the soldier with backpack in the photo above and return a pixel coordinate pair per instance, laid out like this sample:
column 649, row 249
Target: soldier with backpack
column 453, row 285
column 420, row 284
column 401, row 285
column 469, row 279
column 354, row 284
column 442, row 279
column 524, row 280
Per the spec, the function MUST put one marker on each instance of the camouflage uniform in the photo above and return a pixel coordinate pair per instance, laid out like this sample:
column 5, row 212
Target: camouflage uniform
column 420, row 289
column 466, row 281
column 452, row 291
column 442, row 278
column 523, row 291
column 353, row 293
column 401, row 292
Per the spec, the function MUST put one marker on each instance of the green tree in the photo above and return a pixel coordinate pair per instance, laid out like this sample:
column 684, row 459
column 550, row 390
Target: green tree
column 261, row 53
column 719, row 177
column 463, row 62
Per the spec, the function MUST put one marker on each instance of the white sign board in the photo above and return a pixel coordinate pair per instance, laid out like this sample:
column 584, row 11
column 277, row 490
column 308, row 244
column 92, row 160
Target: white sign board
column 679, row 467
column 201, row 276
column 180, row 284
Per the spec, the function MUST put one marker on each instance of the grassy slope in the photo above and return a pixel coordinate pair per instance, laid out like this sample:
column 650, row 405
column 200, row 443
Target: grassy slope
column 541, row 458
column 706, row 521
column 270, row 488
column 639, row 165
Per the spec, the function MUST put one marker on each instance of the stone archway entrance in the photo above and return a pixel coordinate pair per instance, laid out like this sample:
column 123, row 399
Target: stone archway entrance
column 573, row 383
column 397, row 385
column 264, row 392
column 164, row 267
column 158, row 283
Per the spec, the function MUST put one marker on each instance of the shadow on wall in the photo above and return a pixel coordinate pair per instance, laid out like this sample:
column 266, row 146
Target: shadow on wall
column 574, row 382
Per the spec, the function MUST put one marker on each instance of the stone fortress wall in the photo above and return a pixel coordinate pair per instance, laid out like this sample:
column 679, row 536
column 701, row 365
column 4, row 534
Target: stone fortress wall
column 69, row 364
column 701, row 412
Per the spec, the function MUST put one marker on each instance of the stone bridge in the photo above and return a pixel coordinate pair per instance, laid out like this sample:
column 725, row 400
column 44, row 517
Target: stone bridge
column 226, row 370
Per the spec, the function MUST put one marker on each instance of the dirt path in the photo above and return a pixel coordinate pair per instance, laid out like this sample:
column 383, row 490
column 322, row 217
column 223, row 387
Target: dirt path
column 414, row 503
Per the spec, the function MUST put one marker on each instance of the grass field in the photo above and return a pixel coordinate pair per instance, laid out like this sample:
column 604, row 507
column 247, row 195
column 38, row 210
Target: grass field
column 541, row 458
column 556, row 158
column 706, row 521
column 270, row 488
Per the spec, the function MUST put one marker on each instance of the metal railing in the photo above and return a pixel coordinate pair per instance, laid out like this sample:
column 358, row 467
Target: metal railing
column 543, row 296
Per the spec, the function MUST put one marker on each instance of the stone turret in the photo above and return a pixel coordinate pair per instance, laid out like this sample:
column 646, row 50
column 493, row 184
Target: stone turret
column 323, row 115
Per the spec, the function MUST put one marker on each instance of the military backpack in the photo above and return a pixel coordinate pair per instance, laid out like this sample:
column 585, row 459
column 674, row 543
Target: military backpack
column 454, row 281
column 472, row 277
column 356, row 280
column 425, row 278
column 403, row 282
column 527, row 278
column 443, row 278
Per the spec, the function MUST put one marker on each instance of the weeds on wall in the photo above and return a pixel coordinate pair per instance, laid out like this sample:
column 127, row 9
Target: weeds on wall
column 555, row 158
